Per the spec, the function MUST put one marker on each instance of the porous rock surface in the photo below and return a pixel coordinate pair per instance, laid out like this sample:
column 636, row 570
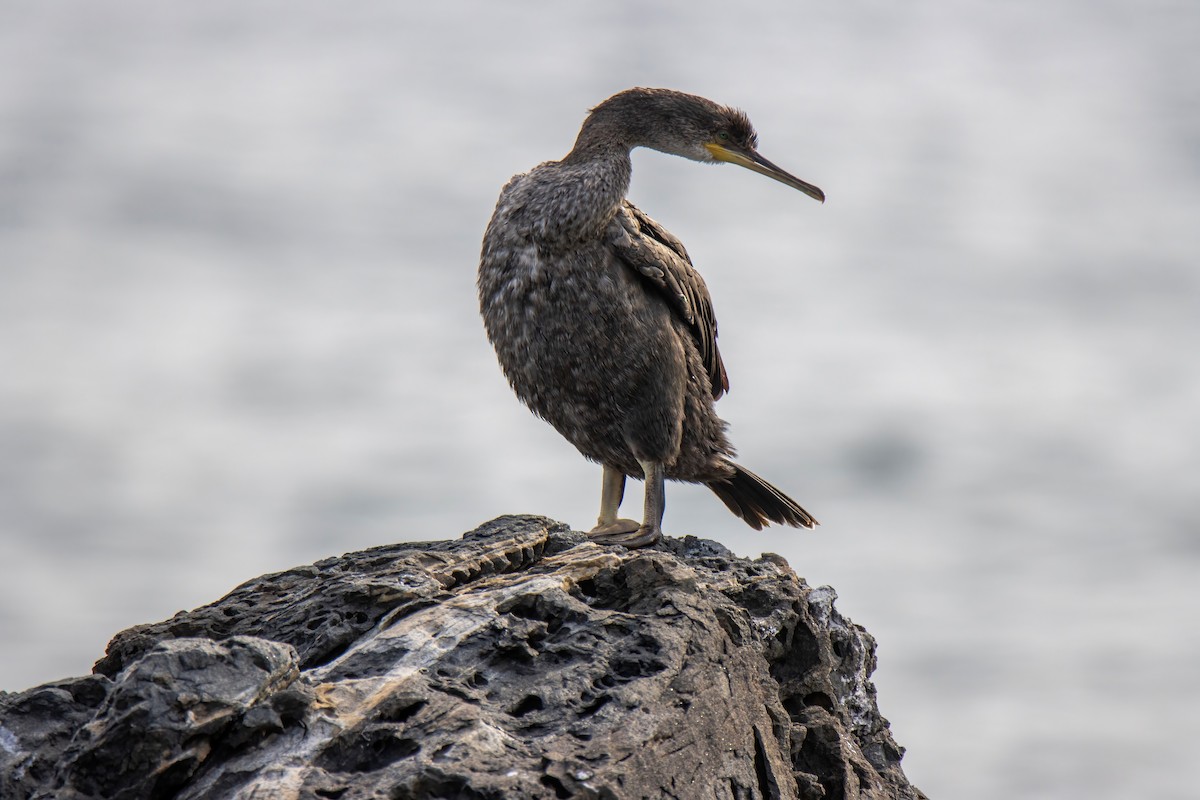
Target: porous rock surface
column 522, row 661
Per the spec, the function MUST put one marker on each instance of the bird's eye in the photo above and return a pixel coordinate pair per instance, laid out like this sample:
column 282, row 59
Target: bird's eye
column 723, row 136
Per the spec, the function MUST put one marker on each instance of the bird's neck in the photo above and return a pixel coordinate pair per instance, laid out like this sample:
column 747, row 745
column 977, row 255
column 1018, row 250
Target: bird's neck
column 589, row 188
column 600, row 155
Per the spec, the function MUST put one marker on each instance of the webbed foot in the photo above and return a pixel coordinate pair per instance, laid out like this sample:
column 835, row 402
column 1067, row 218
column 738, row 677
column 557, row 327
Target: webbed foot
column 617, row 526
column 626, row 533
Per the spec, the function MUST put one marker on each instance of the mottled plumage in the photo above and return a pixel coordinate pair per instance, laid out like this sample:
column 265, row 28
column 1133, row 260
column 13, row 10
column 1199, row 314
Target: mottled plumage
column 601, row 323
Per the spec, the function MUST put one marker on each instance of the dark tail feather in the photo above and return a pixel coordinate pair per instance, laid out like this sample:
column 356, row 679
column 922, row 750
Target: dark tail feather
column 758, row 502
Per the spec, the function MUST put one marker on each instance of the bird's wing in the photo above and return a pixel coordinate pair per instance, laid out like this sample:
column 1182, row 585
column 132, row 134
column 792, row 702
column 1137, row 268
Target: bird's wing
column 661, row 260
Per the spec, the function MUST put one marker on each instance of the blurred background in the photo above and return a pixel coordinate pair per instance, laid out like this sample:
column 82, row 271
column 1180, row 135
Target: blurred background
column 238, row 327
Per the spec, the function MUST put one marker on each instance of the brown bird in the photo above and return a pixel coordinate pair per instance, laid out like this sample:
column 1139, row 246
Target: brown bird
column 602, row 325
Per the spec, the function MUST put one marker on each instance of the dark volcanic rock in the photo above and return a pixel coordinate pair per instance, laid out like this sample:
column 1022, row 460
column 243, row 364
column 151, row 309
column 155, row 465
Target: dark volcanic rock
column 519, row 662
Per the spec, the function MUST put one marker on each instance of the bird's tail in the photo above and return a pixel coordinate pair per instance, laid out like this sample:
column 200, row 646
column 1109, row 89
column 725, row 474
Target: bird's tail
column 758, row 502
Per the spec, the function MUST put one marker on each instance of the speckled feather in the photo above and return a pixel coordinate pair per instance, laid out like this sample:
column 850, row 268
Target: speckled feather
column 588, row 342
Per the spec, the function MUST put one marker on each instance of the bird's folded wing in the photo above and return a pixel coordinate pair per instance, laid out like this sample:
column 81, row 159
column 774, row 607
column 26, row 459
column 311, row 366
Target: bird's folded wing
column 661, row 260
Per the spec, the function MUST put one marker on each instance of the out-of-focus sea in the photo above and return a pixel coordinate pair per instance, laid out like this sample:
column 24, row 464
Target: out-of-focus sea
column 238, row 327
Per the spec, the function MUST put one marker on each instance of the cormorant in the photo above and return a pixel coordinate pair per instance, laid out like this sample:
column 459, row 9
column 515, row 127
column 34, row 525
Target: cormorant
column 601, row 324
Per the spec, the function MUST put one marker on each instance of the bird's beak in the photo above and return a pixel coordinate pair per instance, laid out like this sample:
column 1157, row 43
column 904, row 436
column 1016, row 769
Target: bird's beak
column 751, row 160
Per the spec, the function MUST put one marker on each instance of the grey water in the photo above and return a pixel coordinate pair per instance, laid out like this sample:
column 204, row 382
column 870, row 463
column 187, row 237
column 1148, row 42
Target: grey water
column 238, row 329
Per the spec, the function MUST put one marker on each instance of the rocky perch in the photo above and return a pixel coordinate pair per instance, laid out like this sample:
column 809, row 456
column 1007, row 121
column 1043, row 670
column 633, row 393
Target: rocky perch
column 522, row 661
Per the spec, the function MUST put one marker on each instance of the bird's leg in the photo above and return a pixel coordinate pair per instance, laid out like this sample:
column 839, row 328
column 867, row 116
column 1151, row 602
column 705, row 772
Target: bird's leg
column 650, row 531
column 654, row 505
column 612, row 490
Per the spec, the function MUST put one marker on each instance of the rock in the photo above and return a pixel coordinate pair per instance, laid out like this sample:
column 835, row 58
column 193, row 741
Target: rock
column 521, row 661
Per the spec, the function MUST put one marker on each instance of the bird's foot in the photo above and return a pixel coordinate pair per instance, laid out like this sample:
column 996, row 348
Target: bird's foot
column 615, row 527
column 626, row 533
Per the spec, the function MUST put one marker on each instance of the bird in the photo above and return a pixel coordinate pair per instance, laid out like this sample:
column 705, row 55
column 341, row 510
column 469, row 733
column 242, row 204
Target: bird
column 602, row 325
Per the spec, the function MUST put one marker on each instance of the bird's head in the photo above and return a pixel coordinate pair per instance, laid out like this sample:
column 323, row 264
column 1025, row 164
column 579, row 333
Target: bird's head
column 689, row 126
